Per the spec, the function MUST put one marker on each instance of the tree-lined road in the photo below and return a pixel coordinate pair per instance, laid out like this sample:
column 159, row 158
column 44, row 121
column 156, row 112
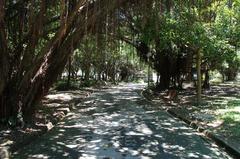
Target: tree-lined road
column 118, row 123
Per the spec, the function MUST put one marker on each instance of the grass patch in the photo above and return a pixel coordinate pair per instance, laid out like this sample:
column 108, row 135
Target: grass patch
column 231, row 118
column 232, row 122
column 234, row 103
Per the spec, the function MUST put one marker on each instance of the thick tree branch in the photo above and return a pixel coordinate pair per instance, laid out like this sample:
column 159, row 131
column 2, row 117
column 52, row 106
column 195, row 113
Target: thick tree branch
column 3, row 49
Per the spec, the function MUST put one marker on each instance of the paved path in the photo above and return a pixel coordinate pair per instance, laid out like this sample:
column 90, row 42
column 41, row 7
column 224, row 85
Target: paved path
column 117, row 123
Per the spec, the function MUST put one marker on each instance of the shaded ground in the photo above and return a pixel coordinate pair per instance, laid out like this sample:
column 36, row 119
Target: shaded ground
column 118, row 123
column 52, row 109
column 219, row 111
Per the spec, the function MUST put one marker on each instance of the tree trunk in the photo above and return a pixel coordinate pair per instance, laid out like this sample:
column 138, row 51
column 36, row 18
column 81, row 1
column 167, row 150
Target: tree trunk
column 164, row 81
column 69, row 72
column 29, row 83
column 199, row 77
column 3, row 48
column 158, row 77
column 223, row 75
column 87, row 73
column 206, row 83
column 28, row 88
column 164, row 72
column 231, row 74
column 4, row 64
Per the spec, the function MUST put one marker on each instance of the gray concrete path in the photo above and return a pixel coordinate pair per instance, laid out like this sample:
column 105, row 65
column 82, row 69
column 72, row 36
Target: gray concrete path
column 117, row 123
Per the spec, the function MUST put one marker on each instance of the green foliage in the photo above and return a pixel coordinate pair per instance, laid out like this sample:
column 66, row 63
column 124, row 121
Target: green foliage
column 224, row 38
column 232, row 119
column 88, row 83
column 230, row 114
column 62, row 85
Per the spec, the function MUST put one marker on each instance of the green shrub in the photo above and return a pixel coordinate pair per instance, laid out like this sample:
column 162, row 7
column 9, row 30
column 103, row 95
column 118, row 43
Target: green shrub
column 63, row 86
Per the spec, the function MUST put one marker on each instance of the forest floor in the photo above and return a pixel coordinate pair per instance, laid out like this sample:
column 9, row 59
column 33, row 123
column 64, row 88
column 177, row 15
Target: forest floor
column 219, row 111
column 119, row 123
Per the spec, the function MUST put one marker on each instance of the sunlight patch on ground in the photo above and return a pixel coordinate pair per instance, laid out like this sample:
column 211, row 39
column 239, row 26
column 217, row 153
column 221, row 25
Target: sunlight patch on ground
column 74, row 126
column 133, row 133
column 143, row 128
column 216, row 123
column 115, row 92
column 168, row 146
column 62, row 96
column 223, row 111
column 87, row 109
column 193, row 155
column 8, row 142
column 108, row 104
column 72, row 146
column 148, row 152
column 40, row 156
column 53, row 104
column 87, row 102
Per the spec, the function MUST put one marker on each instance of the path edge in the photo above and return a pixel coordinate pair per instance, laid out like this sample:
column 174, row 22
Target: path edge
column 216, row 138
column 207, row 133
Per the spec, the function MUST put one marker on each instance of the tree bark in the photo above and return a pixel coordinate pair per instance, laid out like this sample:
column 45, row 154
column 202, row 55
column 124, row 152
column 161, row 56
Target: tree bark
column 69, row 72
column 87, row 73
column 24, row 86
column 3, row 49
column 34, row 81
column 206, row 84
column 199, row 77
column 164, row 74
column 4, row 63
column 54, row 64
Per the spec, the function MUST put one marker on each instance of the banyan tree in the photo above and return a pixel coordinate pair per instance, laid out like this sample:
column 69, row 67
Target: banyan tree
column 37, row 38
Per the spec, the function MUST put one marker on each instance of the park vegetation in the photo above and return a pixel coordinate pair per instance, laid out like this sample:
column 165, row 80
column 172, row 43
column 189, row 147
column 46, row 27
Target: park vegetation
column 104, row 40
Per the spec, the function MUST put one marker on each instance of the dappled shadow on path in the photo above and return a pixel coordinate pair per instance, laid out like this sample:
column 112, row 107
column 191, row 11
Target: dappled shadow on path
column 117, row 123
